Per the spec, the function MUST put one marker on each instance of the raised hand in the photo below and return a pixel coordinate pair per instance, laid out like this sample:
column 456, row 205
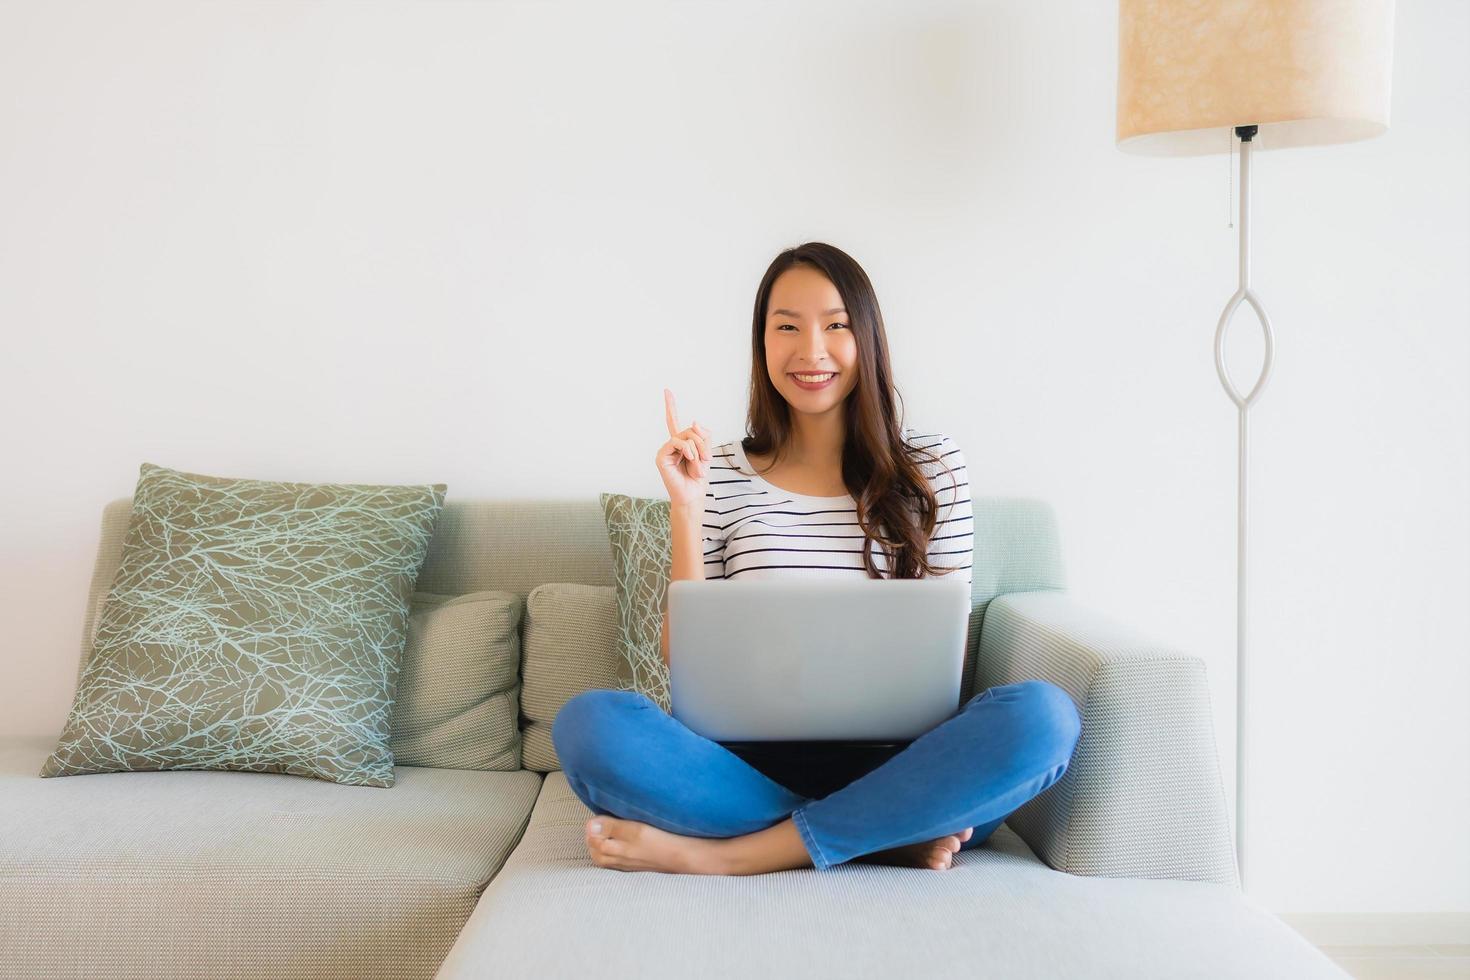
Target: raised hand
column 683, row 461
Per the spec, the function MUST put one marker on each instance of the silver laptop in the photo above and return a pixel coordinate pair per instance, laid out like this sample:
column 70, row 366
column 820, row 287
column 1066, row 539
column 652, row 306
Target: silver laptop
column 823, row 660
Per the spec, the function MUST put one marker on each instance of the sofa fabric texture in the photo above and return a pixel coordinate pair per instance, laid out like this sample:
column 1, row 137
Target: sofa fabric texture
column 999, row 911
column 571, row 645
column 458, row 696
column 190, row 874
column 1143, row 796
column 254, row 626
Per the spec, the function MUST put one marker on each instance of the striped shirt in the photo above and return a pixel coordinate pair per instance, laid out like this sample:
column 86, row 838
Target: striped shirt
column 753, row 529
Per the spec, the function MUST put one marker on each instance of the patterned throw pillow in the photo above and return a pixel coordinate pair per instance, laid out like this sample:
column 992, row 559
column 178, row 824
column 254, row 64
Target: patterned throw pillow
column 253, row 626
column 638, row 529
column 459, row 684
column 456, row 702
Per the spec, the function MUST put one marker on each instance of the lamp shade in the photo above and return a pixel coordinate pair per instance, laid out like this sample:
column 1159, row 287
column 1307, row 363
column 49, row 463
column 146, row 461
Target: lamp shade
column 1306, row 72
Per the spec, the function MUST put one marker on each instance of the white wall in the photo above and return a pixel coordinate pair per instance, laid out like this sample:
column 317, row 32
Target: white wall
column 471, row 243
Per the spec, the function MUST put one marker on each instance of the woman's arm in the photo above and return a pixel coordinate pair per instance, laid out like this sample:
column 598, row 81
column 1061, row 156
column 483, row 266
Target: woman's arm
column 686, row 525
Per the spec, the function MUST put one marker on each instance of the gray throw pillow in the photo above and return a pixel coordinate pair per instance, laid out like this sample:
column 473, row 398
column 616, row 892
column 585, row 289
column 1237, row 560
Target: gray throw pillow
column 252, row 625
column 459, row 686
column 571, row 645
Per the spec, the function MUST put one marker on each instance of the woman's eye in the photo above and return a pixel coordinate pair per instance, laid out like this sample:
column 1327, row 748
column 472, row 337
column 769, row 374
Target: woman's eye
column 838, row 325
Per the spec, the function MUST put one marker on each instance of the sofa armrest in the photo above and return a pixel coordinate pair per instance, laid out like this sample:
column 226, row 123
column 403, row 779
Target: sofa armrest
column 1142, row 796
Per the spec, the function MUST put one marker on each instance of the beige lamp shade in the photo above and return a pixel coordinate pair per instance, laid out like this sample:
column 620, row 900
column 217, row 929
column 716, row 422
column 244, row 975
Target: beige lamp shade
column 1307, row 72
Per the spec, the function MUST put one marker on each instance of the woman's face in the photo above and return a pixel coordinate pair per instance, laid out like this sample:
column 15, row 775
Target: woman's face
column 808, row 333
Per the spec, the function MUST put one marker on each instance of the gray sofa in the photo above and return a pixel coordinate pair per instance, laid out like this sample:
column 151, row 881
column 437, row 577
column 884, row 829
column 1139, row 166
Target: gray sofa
column 1123, row 868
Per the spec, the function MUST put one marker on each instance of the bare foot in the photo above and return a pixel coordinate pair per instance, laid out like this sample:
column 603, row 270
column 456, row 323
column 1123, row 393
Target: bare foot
column 937, row 853
column 629, row 845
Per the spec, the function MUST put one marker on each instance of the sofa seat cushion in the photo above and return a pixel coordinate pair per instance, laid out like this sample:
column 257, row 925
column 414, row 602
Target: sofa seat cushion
column 189, row 873
column 999, row 912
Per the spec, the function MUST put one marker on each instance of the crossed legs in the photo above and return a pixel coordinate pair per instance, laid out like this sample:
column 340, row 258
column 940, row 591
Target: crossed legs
column 672, row 800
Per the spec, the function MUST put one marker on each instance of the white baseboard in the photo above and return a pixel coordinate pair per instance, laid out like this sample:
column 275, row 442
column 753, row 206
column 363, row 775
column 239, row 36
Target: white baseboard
column 1386, row 929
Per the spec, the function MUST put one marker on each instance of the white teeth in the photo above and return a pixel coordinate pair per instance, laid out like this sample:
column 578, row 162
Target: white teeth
column 813, row 378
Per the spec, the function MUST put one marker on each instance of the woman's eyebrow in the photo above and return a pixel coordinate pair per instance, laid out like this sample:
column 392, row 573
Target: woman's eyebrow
column 835, row 309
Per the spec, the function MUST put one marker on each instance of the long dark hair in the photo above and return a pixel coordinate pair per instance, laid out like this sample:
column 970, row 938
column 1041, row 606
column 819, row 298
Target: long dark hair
column 879, row 468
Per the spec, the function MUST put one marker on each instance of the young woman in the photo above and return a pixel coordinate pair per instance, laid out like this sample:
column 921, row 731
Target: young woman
column 826, row 484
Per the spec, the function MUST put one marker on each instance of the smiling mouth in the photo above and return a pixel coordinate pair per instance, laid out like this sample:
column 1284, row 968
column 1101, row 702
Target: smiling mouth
column 828, row 379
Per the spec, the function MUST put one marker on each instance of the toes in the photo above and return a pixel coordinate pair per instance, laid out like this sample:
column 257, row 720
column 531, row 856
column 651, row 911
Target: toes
column 967, row 833
column 607, row 853
column 604, row 827
column 606, row 847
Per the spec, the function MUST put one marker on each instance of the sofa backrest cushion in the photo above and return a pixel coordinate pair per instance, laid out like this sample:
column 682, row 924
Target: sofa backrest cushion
column 571, row 645
column 458, row 693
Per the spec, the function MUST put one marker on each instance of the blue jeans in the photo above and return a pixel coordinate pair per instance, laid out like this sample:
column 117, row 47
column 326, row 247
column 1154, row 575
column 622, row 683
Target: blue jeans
column 623, row 755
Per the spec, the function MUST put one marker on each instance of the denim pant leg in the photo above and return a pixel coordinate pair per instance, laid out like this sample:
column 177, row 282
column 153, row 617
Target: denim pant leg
column 624, row 755
column 1004, row 747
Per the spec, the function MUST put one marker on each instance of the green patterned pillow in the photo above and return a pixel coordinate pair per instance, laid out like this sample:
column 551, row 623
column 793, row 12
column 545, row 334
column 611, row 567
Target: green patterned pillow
column 252, row 626
column 456, row 704
column 638, row 529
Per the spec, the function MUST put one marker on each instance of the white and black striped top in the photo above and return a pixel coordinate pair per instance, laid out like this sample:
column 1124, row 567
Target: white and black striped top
column 753, row 529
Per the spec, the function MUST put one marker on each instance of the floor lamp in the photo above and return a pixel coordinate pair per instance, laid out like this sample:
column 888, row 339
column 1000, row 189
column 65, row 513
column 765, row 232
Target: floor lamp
column 1202, row 77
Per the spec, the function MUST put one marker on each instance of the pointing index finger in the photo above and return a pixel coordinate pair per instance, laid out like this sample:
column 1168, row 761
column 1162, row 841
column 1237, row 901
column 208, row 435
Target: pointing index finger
column 669, row 414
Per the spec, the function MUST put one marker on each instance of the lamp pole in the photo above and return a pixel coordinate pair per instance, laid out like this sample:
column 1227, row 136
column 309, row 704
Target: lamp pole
column 1242, row 676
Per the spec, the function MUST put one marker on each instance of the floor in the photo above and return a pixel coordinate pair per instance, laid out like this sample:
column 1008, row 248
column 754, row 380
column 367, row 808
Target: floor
column 1402, row 962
